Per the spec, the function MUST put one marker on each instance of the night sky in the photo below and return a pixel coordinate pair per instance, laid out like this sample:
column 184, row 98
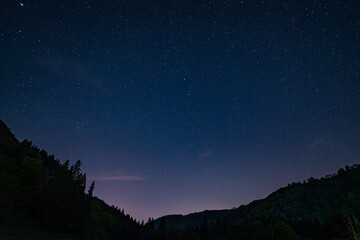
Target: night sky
column 181, row 106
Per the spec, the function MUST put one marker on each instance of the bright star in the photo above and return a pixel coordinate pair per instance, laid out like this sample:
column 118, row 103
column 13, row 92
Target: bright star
column 21, row 4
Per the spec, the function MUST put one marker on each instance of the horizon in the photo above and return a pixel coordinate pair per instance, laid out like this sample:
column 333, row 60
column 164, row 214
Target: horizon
column 89, row 180
column 183, row 106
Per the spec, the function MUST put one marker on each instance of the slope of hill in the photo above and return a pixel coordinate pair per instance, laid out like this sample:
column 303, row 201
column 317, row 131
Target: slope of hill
column 8, row 142
column 317, row 208
column 37, row 192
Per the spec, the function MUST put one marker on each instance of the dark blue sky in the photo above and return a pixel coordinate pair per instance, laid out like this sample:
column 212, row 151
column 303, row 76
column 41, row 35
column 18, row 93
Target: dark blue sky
column 181, row 106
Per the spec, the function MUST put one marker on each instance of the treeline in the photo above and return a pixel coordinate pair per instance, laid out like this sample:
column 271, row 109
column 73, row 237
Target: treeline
column 252, row 230
column 344, row 227
column 322, row 208
column 39, row 192
column 325, row 208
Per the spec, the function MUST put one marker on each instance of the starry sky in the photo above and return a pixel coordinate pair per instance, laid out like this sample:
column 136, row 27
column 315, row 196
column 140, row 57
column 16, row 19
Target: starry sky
column 180, row 106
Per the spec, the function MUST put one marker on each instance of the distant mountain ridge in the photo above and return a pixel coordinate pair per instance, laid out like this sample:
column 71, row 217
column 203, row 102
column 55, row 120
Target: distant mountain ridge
column 192, row 219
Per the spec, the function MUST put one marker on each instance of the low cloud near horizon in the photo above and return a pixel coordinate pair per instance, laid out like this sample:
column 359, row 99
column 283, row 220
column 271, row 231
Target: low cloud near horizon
column 117, row 176
column 120, row 178
column 205, row 154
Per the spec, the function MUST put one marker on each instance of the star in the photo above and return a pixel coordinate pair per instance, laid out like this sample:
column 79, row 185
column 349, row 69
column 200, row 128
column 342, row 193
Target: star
column 21, row 4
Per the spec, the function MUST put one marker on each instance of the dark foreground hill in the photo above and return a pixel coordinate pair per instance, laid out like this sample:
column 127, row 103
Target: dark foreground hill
column 37, row 192
column 42, row 198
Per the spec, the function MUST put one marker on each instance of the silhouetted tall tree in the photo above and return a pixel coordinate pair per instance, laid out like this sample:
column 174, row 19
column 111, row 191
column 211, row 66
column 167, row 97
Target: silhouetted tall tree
column 91, row 189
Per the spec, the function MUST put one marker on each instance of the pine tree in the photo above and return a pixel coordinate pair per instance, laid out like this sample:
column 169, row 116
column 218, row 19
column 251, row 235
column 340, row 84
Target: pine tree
column 91, row 189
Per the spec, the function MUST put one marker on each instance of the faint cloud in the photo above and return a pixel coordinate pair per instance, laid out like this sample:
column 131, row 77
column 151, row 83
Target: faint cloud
column 281, row 80
column 205, row 154
column 118, row 176
column 317, row 142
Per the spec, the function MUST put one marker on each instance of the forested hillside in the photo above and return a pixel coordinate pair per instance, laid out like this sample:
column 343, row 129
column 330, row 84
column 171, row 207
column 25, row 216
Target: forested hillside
column 37, row 191
column 316, row 208
column 43, row 198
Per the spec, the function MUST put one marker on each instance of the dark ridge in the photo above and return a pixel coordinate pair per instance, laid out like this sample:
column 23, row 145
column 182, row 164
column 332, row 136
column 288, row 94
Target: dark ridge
column 315, row 208
column 40, row 195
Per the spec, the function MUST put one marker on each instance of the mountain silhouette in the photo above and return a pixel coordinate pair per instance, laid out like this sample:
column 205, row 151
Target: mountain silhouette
column 43, row 198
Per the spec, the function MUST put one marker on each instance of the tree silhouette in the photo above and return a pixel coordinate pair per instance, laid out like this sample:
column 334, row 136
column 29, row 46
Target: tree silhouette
column 162, row 224
column 204, row 229
column 91, row 189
